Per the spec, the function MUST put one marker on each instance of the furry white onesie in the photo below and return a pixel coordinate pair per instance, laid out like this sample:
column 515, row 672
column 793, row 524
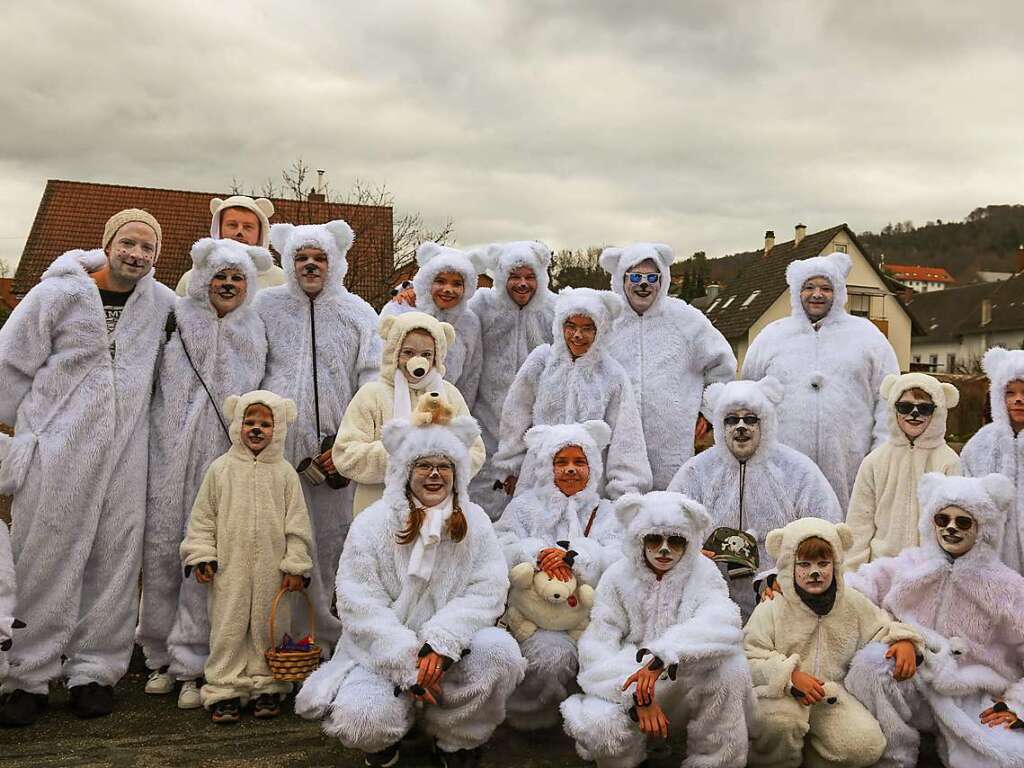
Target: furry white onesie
column 995, row 447
column 684, row 617
column 971, row 611
column 774, row 487
column 389, row 615
column 671, row 352
column 508, row 333
column 552, row 388
column 884, row 510
column 185, row 437
column 538, row 519
column 464, row 363
column 77, row 469
column 832, row 372
column 8, row 590
column 348, row 355
column 250, row 518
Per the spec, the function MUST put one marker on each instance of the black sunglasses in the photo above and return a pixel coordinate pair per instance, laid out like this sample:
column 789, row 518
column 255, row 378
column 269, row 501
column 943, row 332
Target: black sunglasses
column 905, row 409
column 653, row 540
column 732, row 421
column 962, row 522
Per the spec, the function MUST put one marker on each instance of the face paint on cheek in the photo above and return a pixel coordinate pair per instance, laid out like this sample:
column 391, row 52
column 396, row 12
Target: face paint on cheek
column 663, row 553
column 956, row 530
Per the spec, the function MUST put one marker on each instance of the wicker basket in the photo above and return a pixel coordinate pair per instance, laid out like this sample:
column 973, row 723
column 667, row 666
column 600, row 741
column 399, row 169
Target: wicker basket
column 292, row 666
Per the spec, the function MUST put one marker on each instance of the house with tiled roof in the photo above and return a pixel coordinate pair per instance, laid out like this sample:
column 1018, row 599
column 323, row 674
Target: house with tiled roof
column 759, row 295
column 72, row 214
column 920, row 279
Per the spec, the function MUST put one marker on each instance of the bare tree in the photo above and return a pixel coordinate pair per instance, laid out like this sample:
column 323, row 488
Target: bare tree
column 5, row 269
column 408, row 229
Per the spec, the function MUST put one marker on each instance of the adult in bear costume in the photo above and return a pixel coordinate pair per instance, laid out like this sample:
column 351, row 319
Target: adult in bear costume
column 662, row 618
column 669, row 349
column 970, row 607
column 996, row 447
column 216, row 330
column 421, row 583
column 515, row 317
column 748, row 480
column 442, row 273
column 77, row 357
column 322, row 346
column 884, row 509
column 831, row 365
column 560, row 384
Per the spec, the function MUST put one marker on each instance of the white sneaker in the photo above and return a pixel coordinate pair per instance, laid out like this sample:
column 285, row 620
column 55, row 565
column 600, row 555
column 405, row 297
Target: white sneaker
column 160, row 683
column 188, row 697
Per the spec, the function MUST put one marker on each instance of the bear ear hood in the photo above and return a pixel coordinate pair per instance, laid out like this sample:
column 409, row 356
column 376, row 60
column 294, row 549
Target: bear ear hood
column 836, row 267
column 761, row 397
column 544, row 441
column 782, row 544
column 989, row 499
column 618, row 261
column 1002, row 366
column 944, row 396
column 433, row 259
column 666, row 513
column 334, row 238
column 603, row 307
column 406, row 442
column 501, row 258
column 284, row 411
column 210, row 256
column 394, row 328
column 261, row 206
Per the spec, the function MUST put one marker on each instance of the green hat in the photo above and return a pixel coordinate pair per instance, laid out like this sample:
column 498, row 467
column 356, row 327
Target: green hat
column 737, row 549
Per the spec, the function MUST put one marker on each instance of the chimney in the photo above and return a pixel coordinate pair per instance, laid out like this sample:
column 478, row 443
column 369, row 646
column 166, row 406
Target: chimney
column 801, row 231
column 712, row 291
column 769, row 242
column 986, row 311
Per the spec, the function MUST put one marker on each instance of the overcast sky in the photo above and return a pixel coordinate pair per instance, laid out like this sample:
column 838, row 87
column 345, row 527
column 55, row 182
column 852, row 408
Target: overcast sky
column 577, row 123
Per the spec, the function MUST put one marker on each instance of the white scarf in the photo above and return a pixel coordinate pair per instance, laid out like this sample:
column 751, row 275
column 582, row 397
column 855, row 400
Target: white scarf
column 403, row 391
column 424, row 549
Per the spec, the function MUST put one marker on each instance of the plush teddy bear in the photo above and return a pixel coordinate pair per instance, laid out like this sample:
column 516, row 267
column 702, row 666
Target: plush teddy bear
column 432, row 408
column 538, row 601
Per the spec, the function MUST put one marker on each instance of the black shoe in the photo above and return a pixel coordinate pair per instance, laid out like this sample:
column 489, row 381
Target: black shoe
column 463, row 758
column 20, row 708
column 91, row 700
column 226, row 712
column 266, row 706
column 386, row 758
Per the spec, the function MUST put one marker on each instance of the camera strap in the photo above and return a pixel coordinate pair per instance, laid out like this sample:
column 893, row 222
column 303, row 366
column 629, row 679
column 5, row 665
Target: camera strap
column 171, row 327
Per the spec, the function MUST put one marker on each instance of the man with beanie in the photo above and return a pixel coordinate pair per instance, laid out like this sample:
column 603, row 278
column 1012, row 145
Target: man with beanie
column 76, row 371
column 669, row 349
column 248, row 221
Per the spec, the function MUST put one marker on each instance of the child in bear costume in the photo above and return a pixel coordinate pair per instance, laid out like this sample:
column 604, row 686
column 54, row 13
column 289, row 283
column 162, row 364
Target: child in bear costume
column 249, row 535
column 414, row 360
column 420, row 585
column 970, row 608
column 884, row 508
column 664, row 648
column 216, row 330
column 996, row 447
column 314, row 306
column 443, row 286
column 576, row 379
column 562, row 524
column 800, row 645
column 831, row 365
column 515, row 318
column 748, row 480
column 669, row 349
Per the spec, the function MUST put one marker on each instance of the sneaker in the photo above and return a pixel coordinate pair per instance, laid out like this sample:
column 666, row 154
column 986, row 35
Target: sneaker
column 159, row 683
column 226, row 712
column 463, row 758
column 91, row 700
column 266, row 706
column 20, row 708
column 386, row 758
column 188, row 696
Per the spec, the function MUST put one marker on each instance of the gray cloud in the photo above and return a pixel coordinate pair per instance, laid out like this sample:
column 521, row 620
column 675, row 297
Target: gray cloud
column 699, row 123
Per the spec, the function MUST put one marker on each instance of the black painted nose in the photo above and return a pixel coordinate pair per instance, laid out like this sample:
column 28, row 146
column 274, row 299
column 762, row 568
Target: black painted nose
column 419, row 371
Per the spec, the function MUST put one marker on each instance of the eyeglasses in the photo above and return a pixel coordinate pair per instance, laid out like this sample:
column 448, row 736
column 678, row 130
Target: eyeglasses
column 751, row 420
column 905, row 409
column 426, row 469
column 639, row 277
column 962, row 522
column 656, row 541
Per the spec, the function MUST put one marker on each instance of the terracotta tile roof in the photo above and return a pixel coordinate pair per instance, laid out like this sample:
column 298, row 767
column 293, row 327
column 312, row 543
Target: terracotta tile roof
column 72, row 214
column 944, row 314
column 924, row 274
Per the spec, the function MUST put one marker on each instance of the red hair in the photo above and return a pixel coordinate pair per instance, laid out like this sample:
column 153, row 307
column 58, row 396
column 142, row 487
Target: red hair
column 814, row 548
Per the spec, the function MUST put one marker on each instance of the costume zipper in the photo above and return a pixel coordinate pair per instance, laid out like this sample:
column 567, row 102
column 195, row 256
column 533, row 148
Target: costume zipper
column 817, row 649
column 743, row 486
column 640, row 389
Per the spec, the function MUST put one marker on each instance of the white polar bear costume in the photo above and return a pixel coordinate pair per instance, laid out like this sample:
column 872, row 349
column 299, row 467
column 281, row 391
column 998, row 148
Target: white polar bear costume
column 832, row 372
column 552, row 388
column 774, row 487
column 995, row 447
column 250, row 518
column 537, row 519
column 389, row 614
column 347, row 356
column 186, row 435
column 971, row 611
column 671, row 352
column 508, row 333
column 464, row 363
column 8, row 590
column 683, row 617
column 77, row 469
column 884, row 510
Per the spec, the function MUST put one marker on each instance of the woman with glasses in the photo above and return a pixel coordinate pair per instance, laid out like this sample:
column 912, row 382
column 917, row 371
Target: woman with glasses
column 884, row 508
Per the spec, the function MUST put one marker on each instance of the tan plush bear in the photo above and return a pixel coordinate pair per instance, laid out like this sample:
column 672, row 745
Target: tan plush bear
column 432, row 408
column 538, row 601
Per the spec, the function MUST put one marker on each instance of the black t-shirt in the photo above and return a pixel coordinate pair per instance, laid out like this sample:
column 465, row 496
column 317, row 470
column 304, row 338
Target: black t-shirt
column 113, row 306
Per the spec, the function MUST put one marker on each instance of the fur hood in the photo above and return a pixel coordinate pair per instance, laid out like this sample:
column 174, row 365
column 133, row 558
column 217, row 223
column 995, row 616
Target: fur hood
column 761, row 397
column 602, row 307
column 501, row 258
column 944, row 395
column 667, row 513
column 394, row 329
column 989, row 499
column 1001, row 366
column 835, row 266
column 782, row 544
column 262, row 207
column 284, row 411
column 544, row 441
column 406, row 442
column 334, row 238
column 618, row 261
column 433, row 259
column 209, row 256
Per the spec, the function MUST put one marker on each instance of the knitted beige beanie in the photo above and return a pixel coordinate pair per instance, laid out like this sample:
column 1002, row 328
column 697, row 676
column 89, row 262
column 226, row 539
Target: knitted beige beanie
column 127, row 216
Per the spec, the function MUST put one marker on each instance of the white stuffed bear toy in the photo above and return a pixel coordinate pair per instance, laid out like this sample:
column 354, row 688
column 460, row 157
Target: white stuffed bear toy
column 538, row 601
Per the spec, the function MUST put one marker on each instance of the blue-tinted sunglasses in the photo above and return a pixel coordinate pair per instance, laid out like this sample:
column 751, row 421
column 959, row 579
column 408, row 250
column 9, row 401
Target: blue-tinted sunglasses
column 638, row 277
